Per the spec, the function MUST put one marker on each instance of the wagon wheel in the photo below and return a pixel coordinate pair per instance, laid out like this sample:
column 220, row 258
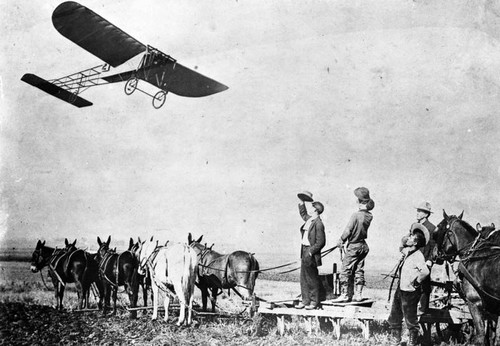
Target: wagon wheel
column 131, row 85
column 159, row 99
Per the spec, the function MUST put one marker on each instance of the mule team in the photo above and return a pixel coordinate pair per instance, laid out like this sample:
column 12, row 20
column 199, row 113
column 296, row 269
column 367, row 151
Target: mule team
column 173, row 268
column 176, row 268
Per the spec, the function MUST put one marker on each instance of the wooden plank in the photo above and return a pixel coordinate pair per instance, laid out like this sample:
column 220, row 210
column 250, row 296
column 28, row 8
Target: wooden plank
column 340, row 312
column 336, row 327
column 281, row 324
column 445, row 316
column 366, row 328
column 366, row 302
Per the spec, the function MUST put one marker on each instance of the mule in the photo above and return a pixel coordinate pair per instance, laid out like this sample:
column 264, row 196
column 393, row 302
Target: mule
column 144, row 281
column 173, row 270
column 489, row 232
column 217, row 271
column 66, row 265
column 478, row 269
column 115, row 270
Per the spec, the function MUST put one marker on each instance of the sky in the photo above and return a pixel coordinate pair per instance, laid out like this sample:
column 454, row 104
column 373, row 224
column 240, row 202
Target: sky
column 399, row 96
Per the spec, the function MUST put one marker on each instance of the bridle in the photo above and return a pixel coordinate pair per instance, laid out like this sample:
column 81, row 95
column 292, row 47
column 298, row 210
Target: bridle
column 145, row 261
column 203, row 252
column 451, row 235
column 40, row 261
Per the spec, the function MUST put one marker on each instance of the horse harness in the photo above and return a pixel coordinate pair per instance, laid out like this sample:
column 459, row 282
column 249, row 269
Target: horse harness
column 149, row 261
column 103, row 265
column 53, row 262
column 468, row 256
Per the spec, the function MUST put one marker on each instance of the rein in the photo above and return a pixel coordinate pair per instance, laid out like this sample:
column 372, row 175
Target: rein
column 103, row 264
column 149, row 262
column 323, row 254
column 468, row 256
column 43, row 280
column 57, row 255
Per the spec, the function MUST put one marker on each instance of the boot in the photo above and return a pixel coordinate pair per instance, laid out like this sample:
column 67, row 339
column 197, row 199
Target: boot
column 413, row 338
column 358, row 294
column 396, row 337
column 344, row 297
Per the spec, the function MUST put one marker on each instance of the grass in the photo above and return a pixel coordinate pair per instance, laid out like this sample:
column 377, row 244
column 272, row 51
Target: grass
column 18, row 284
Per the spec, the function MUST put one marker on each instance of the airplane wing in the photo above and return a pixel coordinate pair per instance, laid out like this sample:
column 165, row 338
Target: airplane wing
column 183, row 81
column 173, row 77
column 95, row 34
column 55, row 90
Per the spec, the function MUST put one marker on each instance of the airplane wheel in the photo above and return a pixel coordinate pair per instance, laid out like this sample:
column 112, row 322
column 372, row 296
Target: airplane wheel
column 131, row 85
column 159, row 99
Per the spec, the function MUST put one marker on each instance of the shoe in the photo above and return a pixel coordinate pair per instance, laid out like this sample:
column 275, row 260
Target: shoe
column 300, row 306
column 344, row 295
column 413, row 338
column 311, row 307
column 395, row 337
column 358, row 297
column 343, row 298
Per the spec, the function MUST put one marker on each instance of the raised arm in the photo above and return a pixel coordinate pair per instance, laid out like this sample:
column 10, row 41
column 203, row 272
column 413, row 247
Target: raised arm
column 303, row 211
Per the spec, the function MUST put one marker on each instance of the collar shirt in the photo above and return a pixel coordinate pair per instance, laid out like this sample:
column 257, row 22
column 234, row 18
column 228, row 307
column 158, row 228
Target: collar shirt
column 307, row 225
column 414, row 267
column 357, row 227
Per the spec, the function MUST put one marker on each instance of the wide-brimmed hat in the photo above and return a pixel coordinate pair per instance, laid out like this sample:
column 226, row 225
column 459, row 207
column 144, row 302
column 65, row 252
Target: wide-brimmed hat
column 424, row 206
column 423, row 229
column 305, row 196
column 362, row 193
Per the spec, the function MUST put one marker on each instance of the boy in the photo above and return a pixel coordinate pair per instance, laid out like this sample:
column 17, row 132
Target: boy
column 413, row 271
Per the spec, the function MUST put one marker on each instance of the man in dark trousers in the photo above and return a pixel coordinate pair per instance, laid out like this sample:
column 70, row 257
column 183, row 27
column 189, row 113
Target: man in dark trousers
column 423, row 213
column 313, row 240
column 411, row 271
column 355, row 235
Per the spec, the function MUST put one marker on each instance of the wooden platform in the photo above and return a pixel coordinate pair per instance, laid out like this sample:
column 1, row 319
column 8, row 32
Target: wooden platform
column 364, row 312
column 333, row 312
column 365, row 302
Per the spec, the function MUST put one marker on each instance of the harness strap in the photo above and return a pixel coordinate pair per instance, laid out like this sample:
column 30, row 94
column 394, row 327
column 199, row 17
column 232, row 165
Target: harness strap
column 463, row 270
column 103, row 265
column 117, row 269
column 57, row 274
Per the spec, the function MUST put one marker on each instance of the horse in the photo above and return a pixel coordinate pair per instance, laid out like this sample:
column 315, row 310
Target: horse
column 224, row 271
column 173, row 270
column 66, row 265
column 115, row 270
column 478, row 269
column 144, row 281
column 489, row 232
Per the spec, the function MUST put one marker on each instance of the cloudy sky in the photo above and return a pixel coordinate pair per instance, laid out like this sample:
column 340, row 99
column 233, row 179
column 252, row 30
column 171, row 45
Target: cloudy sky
column 399, row 96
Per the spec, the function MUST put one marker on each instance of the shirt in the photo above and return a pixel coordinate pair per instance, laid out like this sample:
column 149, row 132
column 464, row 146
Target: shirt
column 414, row 267
column 357, row 227
column 305, row 236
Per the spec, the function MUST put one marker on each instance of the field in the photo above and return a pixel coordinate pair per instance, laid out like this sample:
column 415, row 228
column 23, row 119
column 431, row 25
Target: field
column 28, row 317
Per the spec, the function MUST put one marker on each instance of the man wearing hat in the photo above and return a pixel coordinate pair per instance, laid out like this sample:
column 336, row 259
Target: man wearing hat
column 423, row 213
column 313, row 240
column 412, row 271
column 355, row 233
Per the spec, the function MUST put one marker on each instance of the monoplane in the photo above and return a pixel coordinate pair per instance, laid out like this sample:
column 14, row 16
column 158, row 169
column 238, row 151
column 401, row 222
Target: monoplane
column 115, row 47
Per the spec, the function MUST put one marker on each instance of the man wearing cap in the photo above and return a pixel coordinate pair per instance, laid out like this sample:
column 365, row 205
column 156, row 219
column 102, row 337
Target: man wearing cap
column 423, row 213
column 313, row 240
column 355, row 233
column 412, row 271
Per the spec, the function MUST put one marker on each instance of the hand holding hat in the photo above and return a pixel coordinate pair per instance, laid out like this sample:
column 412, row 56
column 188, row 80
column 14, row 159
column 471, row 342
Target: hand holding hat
column 305, row 196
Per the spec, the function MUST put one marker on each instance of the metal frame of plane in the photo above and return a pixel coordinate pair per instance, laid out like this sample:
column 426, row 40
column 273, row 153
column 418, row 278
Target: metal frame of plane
column 112, row 45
